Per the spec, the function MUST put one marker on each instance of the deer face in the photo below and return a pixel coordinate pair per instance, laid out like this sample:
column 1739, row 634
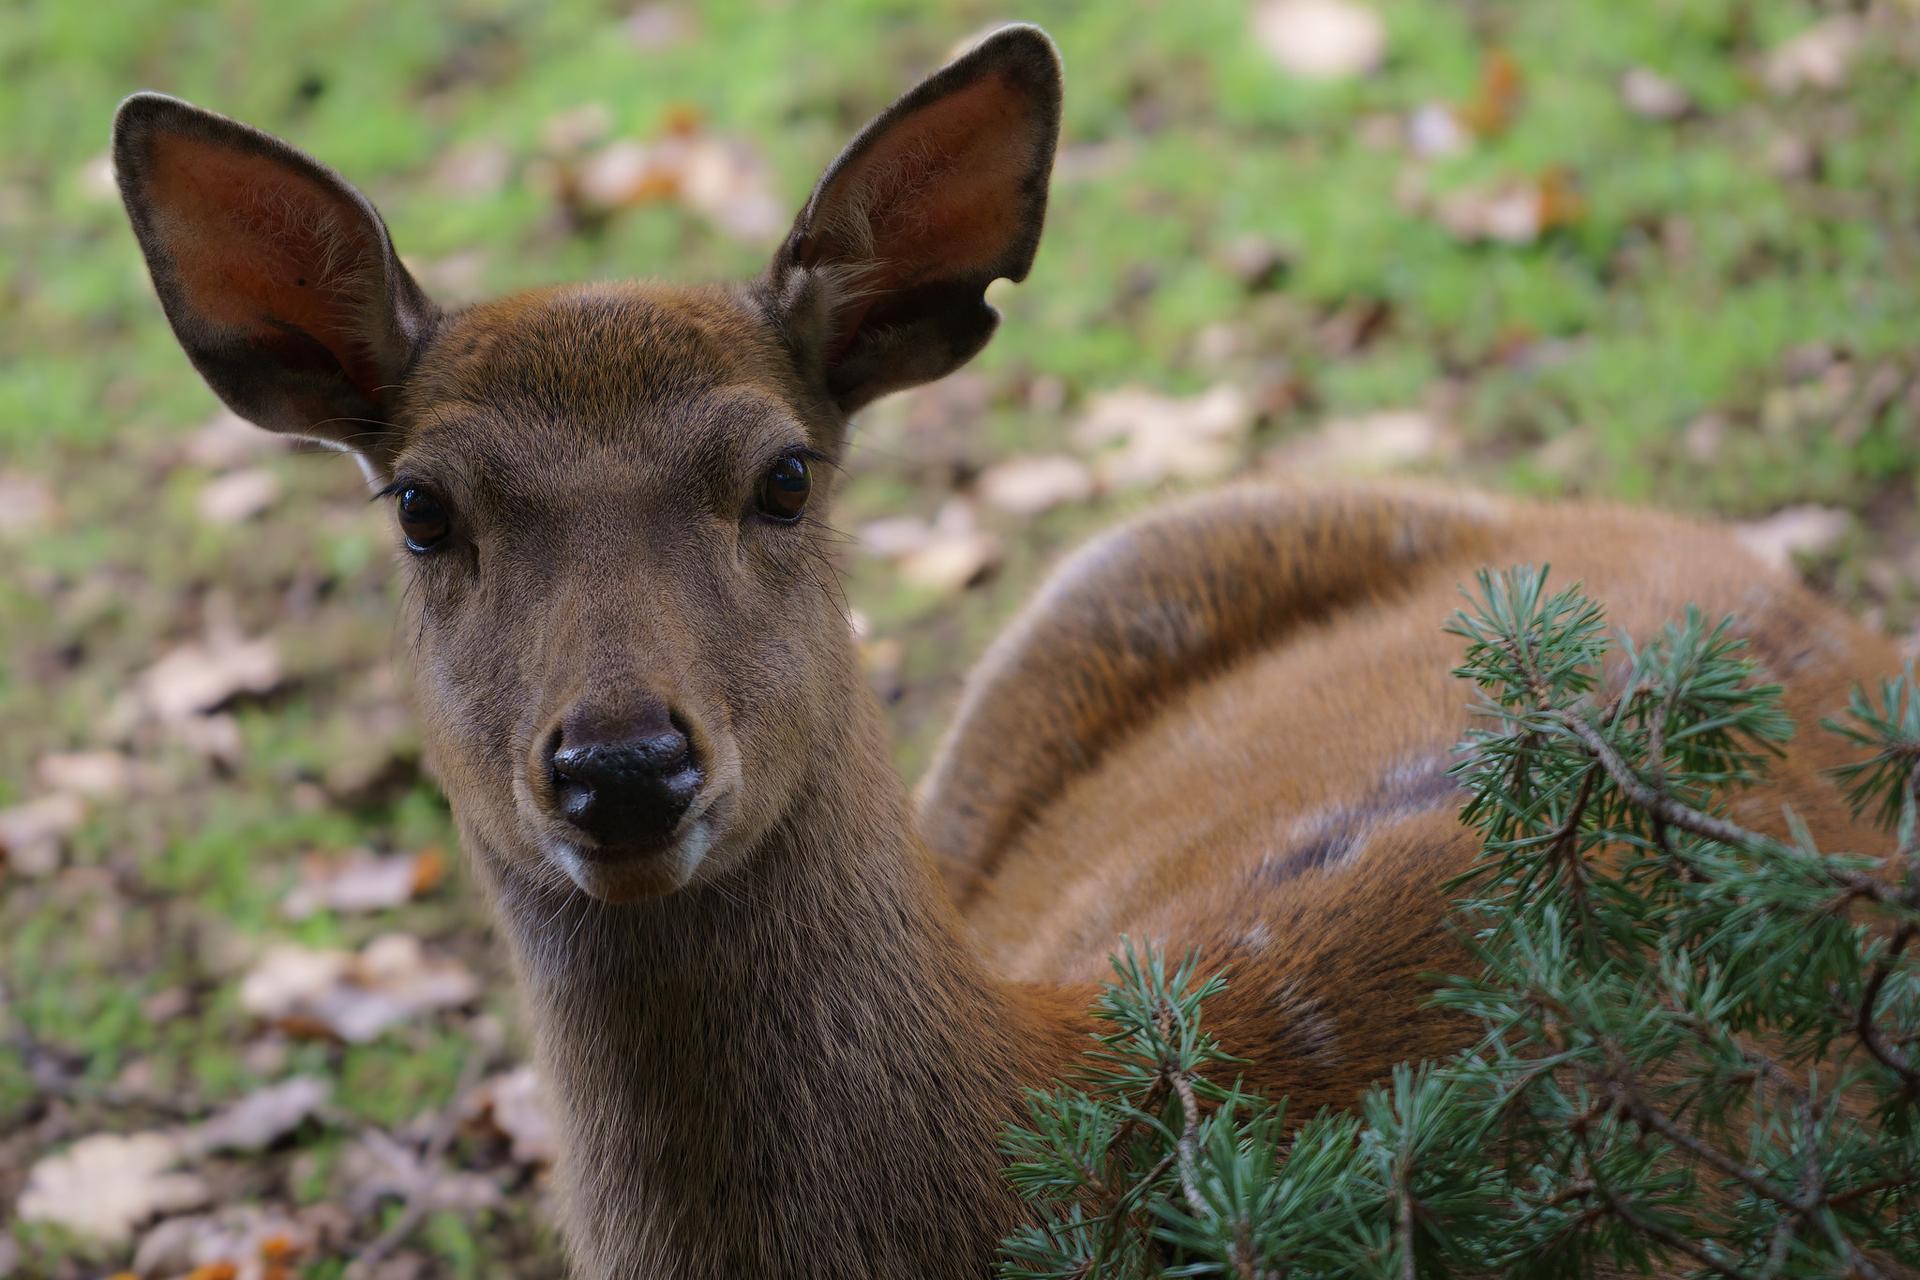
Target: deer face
column 612, row 500
column 614, row 508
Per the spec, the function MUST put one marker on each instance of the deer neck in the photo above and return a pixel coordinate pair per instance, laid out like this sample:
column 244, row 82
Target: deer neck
column 802, row 1069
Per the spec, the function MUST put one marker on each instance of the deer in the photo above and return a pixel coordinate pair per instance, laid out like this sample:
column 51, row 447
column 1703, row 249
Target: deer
column 784, row 1008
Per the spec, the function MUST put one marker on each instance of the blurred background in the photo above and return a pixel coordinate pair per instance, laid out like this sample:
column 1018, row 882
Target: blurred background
column 252, row 1022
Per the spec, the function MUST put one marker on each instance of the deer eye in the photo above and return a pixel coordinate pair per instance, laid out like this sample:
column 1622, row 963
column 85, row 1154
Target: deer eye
column 423, row 520
column 784, row 489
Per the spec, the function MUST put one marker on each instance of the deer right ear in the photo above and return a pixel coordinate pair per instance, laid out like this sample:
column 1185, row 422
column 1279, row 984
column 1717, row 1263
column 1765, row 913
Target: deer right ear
column 279, row 279
column 881, row 282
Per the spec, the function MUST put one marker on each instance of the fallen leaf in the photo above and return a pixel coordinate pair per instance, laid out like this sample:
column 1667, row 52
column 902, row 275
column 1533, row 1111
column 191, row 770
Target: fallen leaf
column 1031, row 485
column 246, row 1241
column 354, row 997
column 1817, row 58
column 577, row 127
column 1321, row 39
column 1217, row 344
column 952, row 562
column 32, row 834
column 96, row 775
column 514, row 1105
column 260, row 1119
column 26, row 504
column 1790, row 156
column 473, row 168
column 1786, row 535
column 203, row 676
column 238, row 496
column 215, row 738
column 1370, row 443
column 96, row 179
column 726, row 180
column 895, row 536
column 1148, row 437
column 1434, row 130
column 654, row 27
column 1497, row 96
column 1256, row 262
column 104, row 1186
column 1703, row 437
column 379, row 1168
column 362, row 881
column 227, row 441
column 730, row 182
column 1651, row 95
column 1511, row 212
column 462, row 275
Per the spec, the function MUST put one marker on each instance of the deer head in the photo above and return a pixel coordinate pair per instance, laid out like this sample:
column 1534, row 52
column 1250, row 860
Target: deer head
column 612, row 499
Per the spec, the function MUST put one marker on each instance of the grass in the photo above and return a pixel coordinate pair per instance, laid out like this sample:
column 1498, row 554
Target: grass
column 1689, row 290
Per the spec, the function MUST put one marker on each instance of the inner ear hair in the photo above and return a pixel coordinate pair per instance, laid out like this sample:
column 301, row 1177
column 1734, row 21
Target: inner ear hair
column 279, row 278
column 882, row 279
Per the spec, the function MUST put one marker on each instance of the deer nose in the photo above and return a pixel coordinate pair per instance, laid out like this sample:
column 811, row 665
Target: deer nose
column 624, row 780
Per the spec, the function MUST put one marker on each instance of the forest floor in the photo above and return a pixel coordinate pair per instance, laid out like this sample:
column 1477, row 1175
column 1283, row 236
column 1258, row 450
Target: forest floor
column 1656, row 252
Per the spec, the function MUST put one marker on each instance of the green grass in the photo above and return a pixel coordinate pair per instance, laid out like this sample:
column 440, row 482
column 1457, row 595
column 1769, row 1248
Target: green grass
column 1680, row 294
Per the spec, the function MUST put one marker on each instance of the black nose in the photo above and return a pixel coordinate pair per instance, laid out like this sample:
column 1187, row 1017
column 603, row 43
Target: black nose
column 625, row 780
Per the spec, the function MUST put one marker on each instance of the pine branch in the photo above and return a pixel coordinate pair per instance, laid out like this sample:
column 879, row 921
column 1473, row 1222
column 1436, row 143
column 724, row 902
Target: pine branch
column 1667, row 994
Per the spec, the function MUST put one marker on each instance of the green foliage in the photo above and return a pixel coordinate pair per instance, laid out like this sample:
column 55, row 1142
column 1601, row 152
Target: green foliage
column 1702, row 1043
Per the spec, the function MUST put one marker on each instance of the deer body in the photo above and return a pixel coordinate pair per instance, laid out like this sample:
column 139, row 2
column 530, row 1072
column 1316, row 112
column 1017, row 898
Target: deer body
column 783, row 1018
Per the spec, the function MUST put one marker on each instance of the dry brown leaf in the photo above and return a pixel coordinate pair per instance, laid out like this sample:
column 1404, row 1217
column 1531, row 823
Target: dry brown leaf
column 354, row 997
column 238, row 496
column 725, row 180
column 1372, row 442
column 1497, row 96
column 1791, row 157
column 1031, row 485
column 258, row 1120
column 576, row 127
column 1651, row 95
column 1817, row 58
column 95, row 775
column 1321, row 39
column 473, row 168
column 32, row 834
column 1785, row 535
column 104, row 1186
column 948, row 555
column 215, row 738
column 1435, row 130
column 26, row 504
column 379, row 1168
column 952, row 562
column 96, row 180
column 1512, row 212
column 200, row 677
column 513, row 1103
column 1147, row 437
column 245, row 1242
column 895, row 536
column 654, row 27
column 228, row 441
column 362, row 881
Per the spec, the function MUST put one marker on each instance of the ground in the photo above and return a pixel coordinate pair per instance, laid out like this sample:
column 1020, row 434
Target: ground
column 1662, row 252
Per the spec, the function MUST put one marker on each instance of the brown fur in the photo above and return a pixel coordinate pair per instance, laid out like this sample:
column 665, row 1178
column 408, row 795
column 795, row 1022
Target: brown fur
column 786, row 1051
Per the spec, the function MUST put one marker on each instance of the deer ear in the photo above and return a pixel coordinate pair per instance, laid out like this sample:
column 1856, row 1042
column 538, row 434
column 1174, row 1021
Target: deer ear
column 881, row 283
column 279, row 279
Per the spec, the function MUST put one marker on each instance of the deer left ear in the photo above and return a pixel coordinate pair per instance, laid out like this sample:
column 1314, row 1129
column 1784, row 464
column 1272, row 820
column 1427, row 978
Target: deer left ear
column 279, row 278
column 881, row 283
